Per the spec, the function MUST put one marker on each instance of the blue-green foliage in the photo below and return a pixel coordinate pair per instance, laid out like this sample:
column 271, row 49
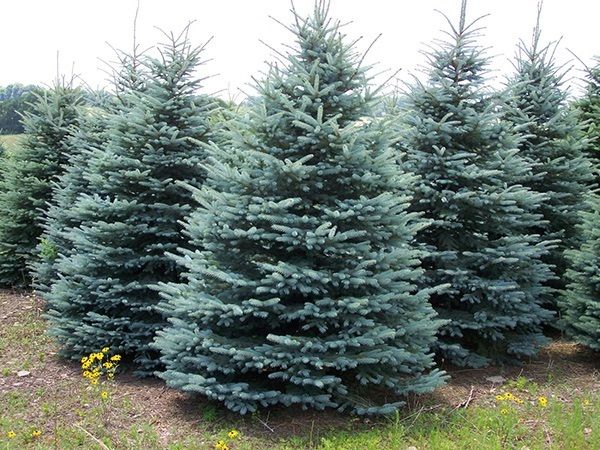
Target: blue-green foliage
column 300, row 289
column 580, row 304
column 478, row 245
column 588, row 108
column 88, row 136
column 129, row 212
column 86, row 140
column 27, row 177
column 553, row 144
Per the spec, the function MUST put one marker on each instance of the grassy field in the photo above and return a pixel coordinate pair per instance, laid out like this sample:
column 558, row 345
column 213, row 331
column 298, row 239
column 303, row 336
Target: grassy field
column 10, row 141
column 550, row 403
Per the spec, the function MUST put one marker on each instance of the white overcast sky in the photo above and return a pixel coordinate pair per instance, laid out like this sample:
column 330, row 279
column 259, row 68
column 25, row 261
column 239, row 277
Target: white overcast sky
column 32, row 32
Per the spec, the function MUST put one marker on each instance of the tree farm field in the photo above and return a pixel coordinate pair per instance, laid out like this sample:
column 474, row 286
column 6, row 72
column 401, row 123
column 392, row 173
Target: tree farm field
column 551, row 402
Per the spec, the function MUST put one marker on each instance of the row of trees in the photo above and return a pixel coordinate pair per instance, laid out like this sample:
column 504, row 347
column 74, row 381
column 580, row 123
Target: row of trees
column 15, row 100
column 304, row 248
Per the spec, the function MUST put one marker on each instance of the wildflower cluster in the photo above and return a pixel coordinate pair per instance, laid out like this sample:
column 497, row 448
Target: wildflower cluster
column 509, row 397
column 35, row 433
column 223, row 445
column 99, row 364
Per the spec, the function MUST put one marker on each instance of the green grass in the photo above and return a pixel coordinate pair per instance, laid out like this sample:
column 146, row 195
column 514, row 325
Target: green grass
column 70, row 413
column 558, row 426
column 10, row 141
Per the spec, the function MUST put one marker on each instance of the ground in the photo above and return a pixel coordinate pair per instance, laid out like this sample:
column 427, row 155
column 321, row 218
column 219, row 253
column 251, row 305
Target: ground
column 551, row 402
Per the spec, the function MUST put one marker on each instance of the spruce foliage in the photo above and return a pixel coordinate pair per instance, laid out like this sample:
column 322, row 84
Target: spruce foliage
column 589, row 109
column 88, row 137
column 478, row 246
column 580, row 303
column 301, row 288
column 85, row 143
column 129, row 215
column 553, row 144
column 28, row 175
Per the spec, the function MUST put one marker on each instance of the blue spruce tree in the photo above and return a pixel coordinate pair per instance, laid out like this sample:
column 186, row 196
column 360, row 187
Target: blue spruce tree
column 588, row 108
column 553, row 144
column 130, row 214
column 85, row 143
column 28, row 175
column 580, row 303
column 301, row 287
column 478, row 244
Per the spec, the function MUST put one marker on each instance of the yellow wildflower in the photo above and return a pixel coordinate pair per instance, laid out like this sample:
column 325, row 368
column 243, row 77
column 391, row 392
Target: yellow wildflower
column 543, row 402
column 233, row 434
column 586, row 402
column 36, row 433
column 104, row 395
column 500, row 398
column 107, row 365
column 519, row 401
column 86, row 365
column 504, row 411
column 221, row 445
column 94, row 381
column 11, row 434
column 116, row 358
column 84, row 359
column 105, row 350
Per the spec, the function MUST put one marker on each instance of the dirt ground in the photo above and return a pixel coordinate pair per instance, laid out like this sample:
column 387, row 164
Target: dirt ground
column 562, row 370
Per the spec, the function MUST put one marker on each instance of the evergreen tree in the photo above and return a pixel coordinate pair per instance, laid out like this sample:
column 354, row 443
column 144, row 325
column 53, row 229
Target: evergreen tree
column 478, row 244
column 129, row 215
column 88, row 137
column 554, row 145
column 580, row 303
column 28, row 175
column 301, row 285
column 589, row 109
column 85, row 143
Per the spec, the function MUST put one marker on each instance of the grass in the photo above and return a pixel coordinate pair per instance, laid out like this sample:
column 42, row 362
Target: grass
column 471, row 412
column 10, row 141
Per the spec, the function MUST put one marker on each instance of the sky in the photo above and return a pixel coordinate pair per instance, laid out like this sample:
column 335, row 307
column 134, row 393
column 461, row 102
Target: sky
column 81, row 33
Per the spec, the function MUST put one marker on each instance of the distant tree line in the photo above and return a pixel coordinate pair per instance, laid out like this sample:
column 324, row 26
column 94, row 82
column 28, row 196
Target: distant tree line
column 15, row 100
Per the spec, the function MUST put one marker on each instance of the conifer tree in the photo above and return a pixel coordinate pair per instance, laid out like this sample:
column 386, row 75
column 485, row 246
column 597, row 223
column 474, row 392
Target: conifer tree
column 580, row 303
column 589, row 110
column 26, row 184
column 478, row 245
column 88, row 137
column 553, row 144
column 129, row 216
column 86, row 142
column 301, row 287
